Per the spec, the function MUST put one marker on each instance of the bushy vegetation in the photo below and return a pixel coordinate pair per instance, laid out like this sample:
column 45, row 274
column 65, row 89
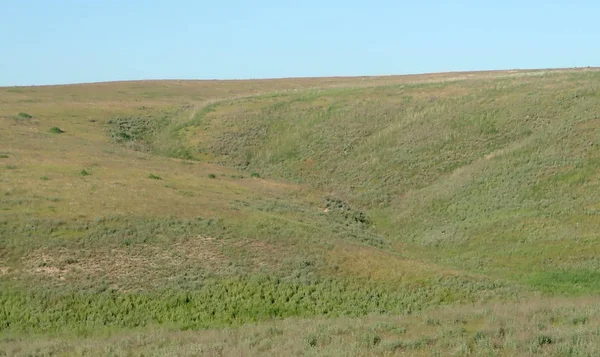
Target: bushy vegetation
column 215, row 303
column 541, row 328
column 134, row 131
column 56, row 130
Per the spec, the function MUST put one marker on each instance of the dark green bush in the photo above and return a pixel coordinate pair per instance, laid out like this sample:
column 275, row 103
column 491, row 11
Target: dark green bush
column 544, row 340
column 56, row 130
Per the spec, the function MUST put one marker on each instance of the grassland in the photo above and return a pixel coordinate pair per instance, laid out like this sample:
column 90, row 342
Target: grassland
column 446, row 214
column 536, row 328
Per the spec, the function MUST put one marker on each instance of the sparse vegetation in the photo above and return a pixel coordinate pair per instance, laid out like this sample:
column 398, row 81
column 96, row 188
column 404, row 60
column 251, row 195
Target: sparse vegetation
column 445, row 214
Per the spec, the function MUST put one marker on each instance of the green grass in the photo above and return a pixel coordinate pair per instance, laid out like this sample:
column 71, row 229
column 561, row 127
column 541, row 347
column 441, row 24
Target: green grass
column 214, row 304
column 467, row 169
column 548, row 328
column 342, row 208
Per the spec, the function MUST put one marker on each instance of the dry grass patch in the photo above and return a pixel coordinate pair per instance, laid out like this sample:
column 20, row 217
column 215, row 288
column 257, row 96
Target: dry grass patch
column 375, row 264
column 128, row 266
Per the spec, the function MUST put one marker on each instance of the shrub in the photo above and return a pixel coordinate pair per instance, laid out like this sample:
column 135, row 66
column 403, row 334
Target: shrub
column 544, row 340
column 254, row 174
column 24, row 116
column 579, row 320
column 136, row 132
column 370, row 340
column 311, row 340
column 154, row 177
column 44, row 178
column 212, row 176
column 71, row 261
column 3, row 156
column 84, row 173
column 56, row 130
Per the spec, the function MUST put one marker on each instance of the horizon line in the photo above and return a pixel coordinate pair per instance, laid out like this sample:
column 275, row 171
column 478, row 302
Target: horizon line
column 306, row 77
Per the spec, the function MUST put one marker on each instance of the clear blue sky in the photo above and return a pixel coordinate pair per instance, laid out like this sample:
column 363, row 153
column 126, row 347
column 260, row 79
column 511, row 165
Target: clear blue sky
column 66, row 41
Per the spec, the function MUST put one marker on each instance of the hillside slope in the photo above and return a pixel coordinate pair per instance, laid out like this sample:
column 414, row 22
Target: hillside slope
column 203, row 204
column 491, row 176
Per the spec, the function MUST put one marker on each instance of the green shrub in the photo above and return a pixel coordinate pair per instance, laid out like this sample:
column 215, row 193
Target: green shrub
column 84, row 173
column 544, row 340
column 212, row 176
column 255, row 174
column 311, row 340
column 579, row 320
column 24, row 116
column 3, row 156
column 154, row 177
column 137, row 133
column 370, row 340
column 56, row 130
column 44, row 178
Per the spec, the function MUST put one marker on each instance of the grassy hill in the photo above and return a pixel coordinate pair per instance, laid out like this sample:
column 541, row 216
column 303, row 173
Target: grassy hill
column 446, row 213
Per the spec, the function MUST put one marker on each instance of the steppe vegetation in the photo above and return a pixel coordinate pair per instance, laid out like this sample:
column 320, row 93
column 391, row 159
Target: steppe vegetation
column 443, row 214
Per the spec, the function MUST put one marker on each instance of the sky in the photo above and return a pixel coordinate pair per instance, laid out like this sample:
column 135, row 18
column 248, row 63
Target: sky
column 74, row 41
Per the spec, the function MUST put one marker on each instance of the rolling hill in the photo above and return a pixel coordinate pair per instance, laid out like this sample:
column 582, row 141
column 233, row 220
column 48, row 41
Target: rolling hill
column 439, row 214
